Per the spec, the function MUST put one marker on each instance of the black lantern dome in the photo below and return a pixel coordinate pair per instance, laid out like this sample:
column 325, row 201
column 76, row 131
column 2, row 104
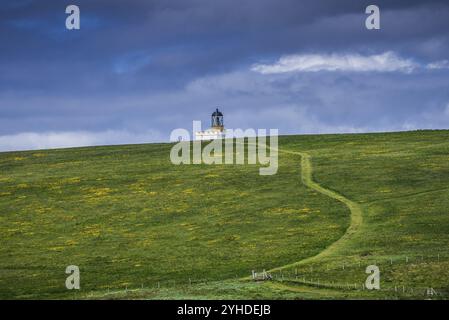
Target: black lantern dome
column 217, row 113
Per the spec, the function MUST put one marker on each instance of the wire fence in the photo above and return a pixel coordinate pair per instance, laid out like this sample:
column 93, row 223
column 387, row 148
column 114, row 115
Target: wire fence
column 337, row 275
column 318, row 276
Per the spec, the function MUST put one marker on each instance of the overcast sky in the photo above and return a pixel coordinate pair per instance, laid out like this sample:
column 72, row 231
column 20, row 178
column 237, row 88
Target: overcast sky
column 136, row 70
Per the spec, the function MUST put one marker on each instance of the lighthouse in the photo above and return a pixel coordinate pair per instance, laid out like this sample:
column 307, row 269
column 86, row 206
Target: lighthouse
column 216, row 131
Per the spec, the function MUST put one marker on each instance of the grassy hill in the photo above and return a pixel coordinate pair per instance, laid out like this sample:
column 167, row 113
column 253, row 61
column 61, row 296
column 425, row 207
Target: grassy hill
column 141, row 227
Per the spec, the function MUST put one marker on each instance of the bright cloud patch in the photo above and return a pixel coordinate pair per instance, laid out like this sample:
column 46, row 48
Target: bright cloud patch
column 443, row 64
column 50, row 140
column 385, row 62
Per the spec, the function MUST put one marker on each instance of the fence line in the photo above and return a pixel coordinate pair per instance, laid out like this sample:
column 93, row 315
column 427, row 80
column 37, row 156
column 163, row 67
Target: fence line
column 363, row 263
column 398, row 291
column 298, row 276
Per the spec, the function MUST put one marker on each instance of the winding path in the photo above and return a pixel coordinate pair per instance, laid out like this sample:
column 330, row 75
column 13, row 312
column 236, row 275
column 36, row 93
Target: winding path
column 355, row 209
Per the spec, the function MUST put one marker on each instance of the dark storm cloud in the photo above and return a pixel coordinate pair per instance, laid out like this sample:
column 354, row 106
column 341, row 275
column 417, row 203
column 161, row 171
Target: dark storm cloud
column 150, row 66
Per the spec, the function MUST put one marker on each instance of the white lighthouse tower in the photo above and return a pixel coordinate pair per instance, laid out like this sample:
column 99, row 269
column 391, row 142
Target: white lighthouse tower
column 216, row 131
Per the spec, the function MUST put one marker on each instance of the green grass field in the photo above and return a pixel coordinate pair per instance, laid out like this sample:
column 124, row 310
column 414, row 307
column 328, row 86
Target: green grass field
column 140, row 227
